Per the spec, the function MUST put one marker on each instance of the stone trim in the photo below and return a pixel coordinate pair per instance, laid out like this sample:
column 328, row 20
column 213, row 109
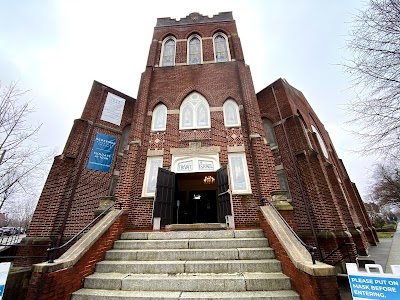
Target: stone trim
column 173, row 112
column 77, row 250
column 194, row 150
column 216, row 108
column 240, row 148
column 297, row 253
column 159, row 152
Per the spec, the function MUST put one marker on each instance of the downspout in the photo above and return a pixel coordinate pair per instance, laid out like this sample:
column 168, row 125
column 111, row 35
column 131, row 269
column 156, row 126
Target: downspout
column 303, row 197
column 79, row 171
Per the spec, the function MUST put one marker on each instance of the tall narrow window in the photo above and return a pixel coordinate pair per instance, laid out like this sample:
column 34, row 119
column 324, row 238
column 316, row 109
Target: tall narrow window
column 221, row 50
column 283, row 182
column 239, row 173
column 194, row 54
column 168, row 52
column 321, row 142
column 231, row 114
column 159, row 119
column 269, row 133
column 150, row 177
column 124, row 139
column 194, row 112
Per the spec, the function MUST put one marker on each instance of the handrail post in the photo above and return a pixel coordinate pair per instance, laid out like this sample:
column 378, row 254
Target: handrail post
column 312, row 251
column 51, row 252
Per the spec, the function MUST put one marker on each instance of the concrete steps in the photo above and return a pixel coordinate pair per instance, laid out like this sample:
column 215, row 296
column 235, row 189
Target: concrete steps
column 234, row 264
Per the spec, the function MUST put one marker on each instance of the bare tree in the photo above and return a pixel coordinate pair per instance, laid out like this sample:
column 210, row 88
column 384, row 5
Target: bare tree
column 385, row 190
column 21, row 159
column 374, row 44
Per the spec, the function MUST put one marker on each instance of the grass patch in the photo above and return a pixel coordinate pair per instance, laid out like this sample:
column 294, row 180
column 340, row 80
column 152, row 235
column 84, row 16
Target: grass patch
column 385, row 235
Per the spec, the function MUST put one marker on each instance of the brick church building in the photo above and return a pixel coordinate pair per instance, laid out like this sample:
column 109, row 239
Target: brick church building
column 199, row 147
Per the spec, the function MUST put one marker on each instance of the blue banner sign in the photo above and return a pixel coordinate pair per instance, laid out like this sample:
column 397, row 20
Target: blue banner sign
column 373, row 285
column 102, row 152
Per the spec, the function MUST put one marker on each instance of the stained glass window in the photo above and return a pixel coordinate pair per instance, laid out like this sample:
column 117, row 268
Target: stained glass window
column 321, row 142
column 150, row 178
column 159, row 119
column 194, row 112
column 194, row 51
column 269, row 133
column 168, row 53
column 220, row 48
column 231, row 114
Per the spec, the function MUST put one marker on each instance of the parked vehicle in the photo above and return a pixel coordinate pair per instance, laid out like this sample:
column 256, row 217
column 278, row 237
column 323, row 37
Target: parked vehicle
column 9, row 231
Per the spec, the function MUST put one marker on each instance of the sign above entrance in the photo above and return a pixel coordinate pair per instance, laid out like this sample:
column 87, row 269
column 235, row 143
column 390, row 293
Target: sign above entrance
column 193, row 164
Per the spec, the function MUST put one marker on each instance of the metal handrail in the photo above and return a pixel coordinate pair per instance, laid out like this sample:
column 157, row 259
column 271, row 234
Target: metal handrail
column 51, row 252
column 343, row 257
column 311, row 249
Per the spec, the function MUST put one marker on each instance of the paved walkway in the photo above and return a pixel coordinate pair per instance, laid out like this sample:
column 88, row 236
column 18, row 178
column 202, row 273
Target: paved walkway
column 386, row 253
column 394, row 254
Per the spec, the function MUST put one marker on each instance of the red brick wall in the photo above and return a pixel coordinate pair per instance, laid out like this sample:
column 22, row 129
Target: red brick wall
column 72, row 191
column 309, row 287
column 317, row 185
column 216, row 82
column 61, row 284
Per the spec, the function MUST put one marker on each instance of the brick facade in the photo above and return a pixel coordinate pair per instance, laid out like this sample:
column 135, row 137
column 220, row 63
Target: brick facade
column 320, row 188
column 326, row 203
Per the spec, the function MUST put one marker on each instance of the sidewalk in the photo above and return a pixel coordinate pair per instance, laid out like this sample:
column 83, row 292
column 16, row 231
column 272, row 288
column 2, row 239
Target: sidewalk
column 386, row 253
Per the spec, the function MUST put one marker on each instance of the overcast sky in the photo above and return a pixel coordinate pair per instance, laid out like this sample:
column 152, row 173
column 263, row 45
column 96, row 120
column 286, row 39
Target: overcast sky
column 57, row 48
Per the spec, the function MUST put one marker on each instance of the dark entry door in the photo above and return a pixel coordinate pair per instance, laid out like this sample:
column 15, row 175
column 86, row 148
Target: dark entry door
column 165, row 196
column 223, row 195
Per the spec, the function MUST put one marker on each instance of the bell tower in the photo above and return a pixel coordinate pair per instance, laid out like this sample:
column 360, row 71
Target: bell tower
column 196, row 117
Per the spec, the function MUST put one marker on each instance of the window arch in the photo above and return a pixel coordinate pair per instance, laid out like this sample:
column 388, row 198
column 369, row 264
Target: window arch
column 221, row 48
column 168, row 51
column 195, row 53
column 159, row 118
column 321, row 142
column 124, row 139
column 231, row 113
column 194, row 112
column 269, row 133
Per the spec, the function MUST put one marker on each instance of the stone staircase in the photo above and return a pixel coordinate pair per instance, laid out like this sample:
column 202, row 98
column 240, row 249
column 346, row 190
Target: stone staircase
column 223, row 264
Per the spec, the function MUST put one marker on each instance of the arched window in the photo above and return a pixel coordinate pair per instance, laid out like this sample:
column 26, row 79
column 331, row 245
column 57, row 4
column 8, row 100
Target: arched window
column 194, row 112
column 321, row 142
column 168, row 52
column 195, row 50
column 159, row 119
column 283, row 182
column 231, row 114
column 221, row 48
column 124, row 139
column 269, row 133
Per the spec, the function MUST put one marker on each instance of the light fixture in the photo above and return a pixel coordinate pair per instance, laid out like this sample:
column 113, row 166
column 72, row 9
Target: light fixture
column 209, row 180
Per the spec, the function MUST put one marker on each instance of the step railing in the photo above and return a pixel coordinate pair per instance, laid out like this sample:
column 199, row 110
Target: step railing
column 52, row 252
column 348, row 254
column 311, row 249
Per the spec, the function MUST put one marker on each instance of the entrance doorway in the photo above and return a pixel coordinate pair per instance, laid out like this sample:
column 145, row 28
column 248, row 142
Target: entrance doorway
column 197, row 200
column 188, row 198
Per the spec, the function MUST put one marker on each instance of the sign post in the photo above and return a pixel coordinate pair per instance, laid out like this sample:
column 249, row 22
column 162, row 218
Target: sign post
column 4, row 269
column 374, row 285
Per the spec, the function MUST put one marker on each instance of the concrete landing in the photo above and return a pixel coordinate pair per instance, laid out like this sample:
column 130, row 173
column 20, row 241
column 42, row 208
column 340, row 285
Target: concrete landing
column 196, row 226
